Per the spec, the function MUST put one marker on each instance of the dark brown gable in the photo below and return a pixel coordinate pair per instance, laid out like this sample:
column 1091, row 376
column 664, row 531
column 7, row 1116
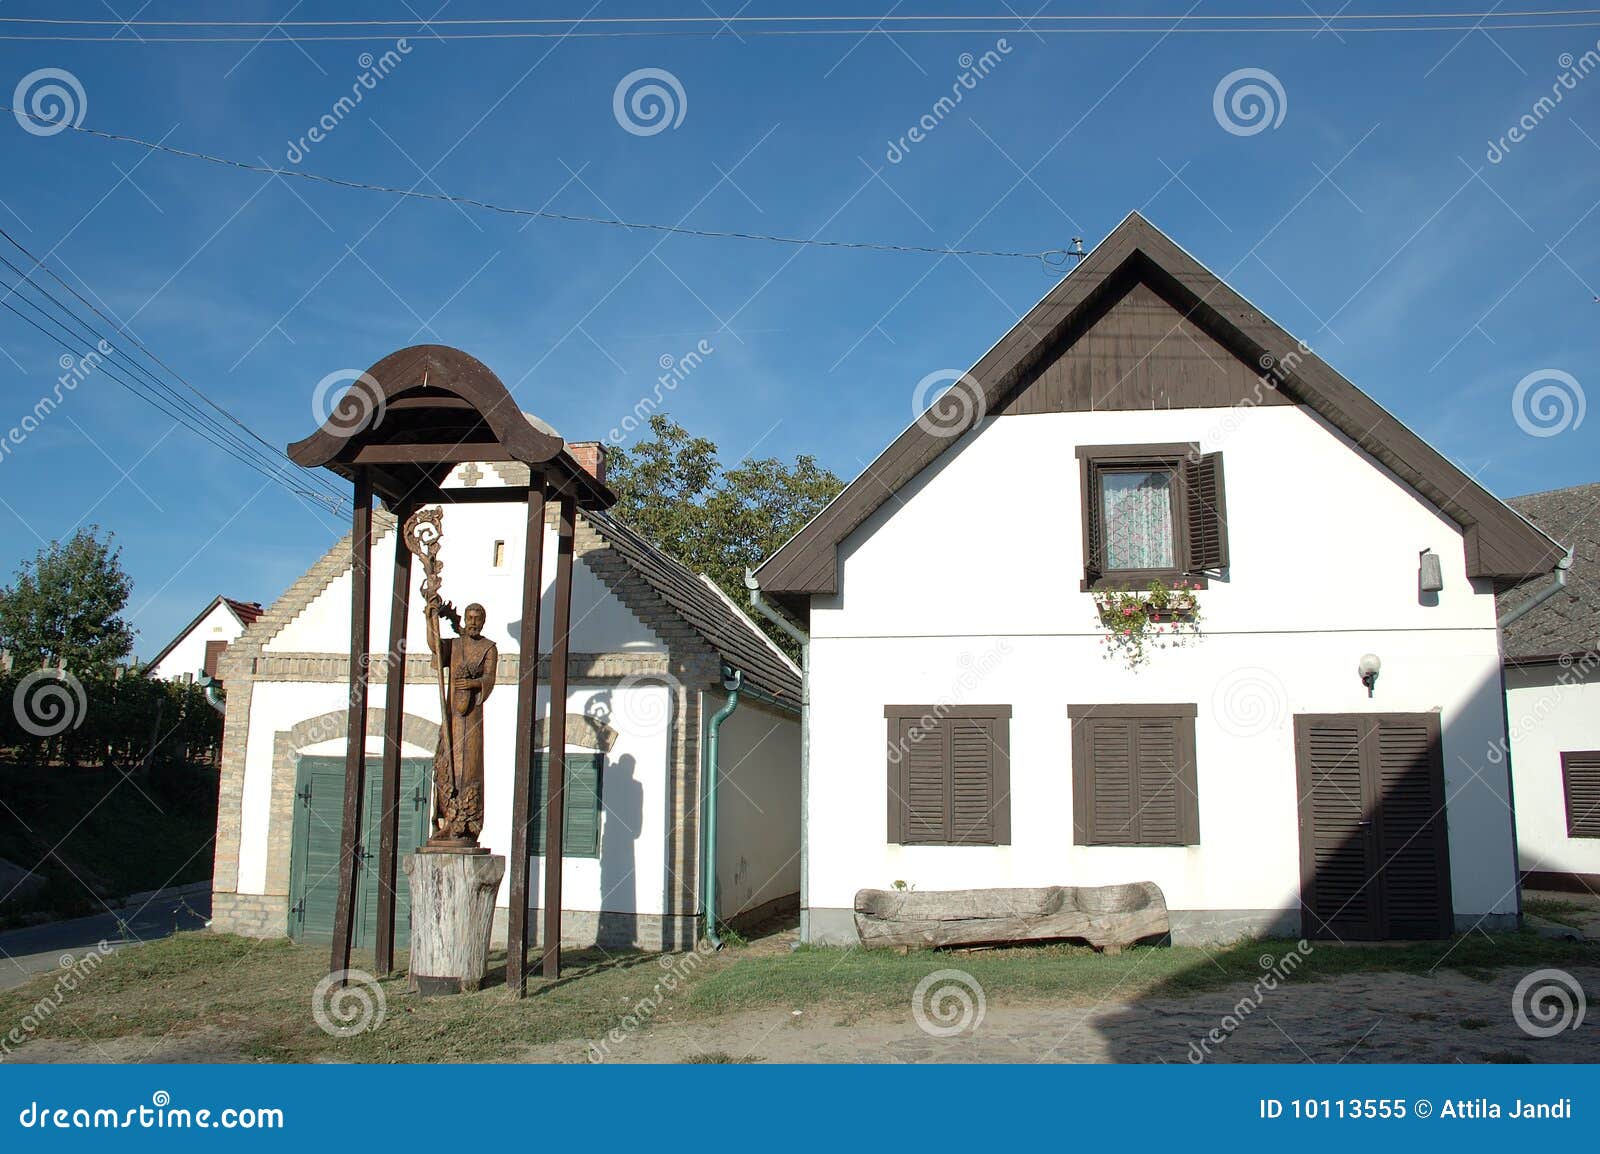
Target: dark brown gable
column 1499, row 545
column 1139, row 353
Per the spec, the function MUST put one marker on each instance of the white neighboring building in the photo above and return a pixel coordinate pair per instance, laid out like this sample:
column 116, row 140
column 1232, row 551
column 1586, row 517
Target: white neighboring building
column 970, row 728
column 650, row 644
column 200, row 644
column 1552, row 654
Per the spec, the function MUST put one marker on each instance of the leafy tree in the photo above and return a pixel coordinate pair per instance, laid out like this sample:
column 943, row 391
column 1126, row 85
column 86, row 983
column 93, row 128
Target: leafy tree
column 673, row 489
column 66, row 606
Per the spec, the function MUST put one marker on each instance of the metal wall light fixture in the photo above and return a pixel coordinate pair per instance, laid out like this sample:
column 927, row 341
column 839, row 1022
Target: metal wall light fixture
column 1369, row 670
column 1430, row 573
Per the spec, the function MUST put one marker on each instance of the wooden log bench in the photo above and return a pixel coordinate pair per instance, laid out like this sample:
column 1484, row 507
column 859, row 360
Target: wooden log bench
column 1107, row 917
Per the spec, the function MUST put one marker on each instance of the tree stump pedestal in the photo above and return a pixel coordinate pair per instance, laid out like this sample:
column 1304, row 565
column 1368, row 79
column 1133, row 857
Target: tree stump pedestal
column 452, row 909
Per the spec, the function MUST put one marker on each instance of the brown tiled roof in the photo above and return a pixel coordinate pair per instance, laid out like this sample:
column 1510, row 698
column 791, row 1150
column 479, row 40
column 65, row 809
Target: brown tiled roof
column 703, row 606
column 245, row 611
column 1568, row 622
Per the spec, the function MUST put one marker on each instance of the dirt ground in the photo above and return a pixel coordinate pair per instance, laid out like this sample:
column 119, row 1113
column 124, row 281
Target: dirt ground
column 1445, row 1017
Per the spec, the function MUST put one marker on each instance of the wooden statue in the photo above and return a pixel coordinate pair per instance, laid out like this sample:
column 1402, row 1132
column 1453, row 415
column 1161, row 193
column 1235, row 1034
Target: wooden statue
column 465, row 666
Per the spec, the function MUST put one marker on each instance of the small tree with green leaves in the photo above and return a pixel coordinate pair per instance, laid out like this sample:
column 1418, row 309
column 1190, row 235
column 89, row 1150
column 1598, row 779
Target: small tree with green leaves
column 673, row 489
column 65, row 606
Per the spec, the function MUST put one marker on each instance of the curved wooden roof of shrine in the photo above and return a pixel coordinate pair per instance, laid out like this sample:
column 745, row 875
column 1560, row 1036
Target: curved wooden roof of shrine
column 420, row 411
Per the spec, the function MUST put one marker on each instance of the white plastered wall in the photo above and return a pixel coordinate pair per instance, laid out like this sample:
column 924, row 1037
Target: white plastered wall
column 1551, row 709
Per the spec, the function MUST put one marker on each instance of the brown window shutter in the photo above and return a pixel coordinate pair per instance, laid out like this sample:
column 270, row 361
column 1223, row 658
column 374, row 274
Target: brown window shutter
column 1580, row 782
column 1411, row 827
column 949, row 775
column 1133, row 775
column 214, row 652
column 1335, row 865
column 1094, row 549
column 1206, row 513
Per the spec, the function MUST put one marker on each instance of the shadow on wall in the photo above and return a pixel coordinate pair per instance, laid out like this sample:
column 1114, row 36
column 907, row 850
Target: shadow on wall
column 622, row 798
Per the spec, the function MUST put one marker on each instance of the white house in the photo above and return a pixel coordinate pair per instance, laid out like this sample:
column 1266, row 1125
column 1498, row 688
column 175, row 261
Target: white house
column 651, row 645
column 1320, row 759
column 1552, row 653
column 200, row 644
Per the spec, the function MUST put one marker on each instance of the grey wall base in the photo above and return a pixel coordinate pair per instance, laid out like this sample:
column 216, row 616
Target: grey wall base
column 610, row 930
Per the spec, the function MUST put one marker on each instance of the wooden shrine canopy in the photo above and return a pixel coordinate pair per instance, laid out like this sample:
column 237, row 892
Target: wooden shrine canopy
column 397, row 434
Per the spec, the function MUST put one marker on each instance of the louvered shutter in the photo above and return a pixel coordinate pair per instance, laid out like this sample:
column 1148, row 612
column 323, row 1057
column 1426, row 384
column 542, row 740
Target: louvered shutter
column 1407, row 760
column 1159, row 798
column 1338, row 851
column 972, row 798
column 1111, row 789
column 924, row 795
column 1207, row 514
column 1133, row 775
column 949, row 775
column 581, row 804
column 1094, row 548
column 1580, row 778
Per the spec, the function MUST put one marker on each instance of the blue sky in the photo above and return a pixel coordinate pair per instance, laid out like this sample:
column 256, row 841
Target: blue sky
column 1368, row 221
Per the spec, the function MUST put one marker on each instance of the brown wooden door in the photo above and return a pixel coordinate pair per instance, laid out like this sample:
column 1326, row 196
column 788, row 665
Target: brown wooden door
column 1374, row 862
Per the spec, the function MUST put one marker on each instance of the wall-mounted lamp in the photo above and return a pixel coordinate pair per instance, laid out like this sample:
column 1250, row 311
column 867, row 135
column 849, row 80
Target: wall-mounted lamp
column 1430, row 573
column 1369, row 670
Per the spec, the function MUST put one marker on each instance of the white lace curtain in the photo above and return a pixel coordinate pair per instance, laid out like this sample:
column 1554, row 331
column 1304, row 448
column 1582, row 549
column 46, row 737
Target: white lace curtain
column 1137, row 512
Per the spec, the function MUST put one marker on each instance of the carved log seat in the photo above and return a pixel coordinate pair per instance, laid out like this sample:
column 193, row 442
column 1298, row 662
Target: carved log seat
column 1107, row 917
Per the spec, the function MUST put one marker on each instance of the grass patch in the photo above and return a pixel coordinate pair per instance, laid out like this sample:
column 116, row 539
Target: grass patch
column 1558, row 910
column 252, row 999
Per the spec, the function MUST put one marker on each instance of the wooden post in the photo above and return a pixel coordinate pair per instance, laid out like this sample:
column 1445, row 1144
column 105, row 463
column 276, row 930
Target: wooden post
column 527, row 715
column 394, row 706
column 556, row 762
column 355, row 759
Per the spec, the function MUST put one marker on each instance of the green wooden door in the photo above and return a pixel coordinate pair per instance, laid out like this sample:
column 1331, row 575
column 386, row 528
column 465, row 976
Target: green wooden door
column 314, row 873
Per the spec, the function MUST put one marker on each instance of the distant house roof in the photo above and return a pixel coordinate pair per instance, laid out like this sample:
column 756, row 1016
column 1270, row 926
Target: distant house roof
column 1568, row 622
column 245, row 612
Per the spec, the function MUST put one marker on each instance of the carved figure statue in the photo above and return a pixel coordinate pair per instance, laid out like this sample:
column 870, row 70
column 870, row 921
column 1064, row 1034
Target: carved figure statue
column 465, row 666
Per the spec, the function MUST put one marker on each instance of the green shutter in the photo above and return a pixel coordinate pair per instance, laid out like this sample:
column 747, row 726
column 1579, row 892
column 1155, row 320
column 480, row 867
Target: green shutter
column 582, row 825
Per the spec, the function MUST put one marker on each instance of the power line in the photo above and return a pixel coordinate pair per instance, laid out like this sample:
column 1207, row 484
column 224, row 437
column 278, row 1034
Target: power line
column 148, row 387
column 1055, row 257
column 275, row 453
column 1080, row 17
column 1178, row 26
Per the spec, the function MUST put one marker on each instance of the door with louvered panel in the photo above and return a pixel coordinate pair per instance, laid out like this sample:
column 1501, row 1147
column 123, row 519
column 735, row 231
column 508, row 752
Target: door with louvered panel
column 1374, row 862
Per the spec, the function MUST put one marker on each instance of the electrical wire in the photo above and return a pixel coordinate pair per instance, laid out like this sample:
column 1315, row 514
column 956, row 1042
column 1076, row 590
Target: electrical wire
column 154, row 392
column 1055, row 257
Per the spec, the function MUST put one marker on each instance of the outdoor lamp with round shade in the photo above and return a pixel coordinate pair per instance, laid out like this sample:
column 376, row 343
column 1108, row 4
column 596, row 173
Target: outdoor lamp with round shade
column 1369, row 670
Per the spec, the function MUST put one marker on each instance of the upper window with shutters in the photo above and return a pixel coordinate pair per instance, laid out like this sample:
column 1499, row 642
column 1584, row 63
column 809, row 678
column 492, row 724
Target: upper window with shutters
column 1151, row 513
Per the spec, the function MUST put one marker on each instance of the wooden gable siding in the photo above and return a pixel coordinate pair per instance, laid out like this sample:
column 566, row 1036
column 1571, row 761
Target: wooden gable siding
column 1139, row 353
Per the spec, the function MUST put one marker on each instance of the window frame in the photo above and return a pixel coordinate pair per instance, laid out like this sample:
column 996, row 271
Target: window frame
column 999, row 771
column 1183, row 714
column 1093, row 461
column 1580, row 828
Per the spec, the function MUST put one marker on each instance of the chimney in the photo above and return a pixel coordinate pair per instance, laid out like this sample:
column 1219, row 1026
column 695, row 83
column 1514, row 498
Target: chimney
column 591, row 455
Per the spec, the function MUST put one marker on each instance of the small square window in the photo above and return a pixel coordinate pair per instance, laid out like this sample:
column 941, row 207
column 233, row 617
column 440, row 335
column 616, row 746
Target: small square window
column 499, row 554
column 1136, row 507
column 1151, row 513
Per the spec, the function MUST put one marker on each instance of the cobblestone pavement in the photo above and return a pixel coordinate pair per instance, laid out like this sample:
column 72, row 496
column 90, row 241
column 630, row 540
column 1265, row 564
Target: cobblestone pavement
column 1444, row 1017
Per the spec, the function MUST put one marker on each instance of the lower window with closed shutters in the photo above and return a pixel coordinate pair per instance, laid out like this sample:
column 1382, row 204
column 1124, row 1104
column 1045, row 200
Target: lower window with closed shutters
column 1133, row 775
column 949, row 774
column 1580, row 783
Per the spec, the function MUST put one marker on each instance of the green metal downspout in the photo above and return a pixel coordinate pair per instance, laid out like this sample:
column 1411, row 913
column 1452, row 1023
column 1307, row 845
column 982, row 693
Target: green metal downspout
column 802, row 639
column 713, row 771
